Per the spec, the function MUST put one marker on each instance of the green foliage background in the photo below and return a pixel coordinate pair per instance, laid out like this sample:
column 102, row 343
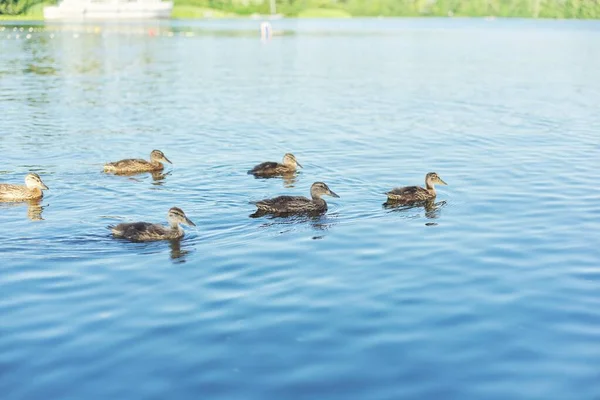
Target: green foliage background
column 501, row 8
column 15, row 7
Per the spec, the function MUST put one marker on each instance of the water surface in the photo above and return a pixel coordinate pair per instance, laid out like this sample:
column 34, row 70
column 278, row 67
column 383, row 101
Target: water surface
column 491, row 293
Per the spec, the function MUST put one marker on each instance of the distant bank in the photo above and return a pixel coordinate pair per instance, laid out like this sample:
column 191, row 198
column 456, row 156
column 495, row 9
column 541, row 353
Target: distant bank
column 194, row 9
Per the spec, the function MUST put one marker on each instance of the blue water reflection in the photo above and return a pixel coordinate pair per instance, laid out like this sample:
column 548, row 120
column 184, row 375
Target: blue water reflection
column 491, row 291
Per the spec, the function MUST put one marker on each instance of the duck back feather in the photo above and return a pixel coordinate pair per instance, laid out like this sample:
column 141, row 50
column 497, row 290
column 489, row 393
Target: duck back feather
column 19, row 192
column 144, row 231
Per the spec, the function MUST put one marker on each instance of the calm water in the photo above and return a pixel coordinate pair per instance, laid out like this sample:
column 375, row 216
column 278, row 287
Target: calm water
column 494, row 293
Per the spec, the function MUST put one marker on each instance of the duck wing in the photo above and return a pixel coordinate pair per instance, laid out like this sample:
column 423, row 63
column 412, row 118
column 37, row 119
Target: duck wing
column 409, row 193
column 129, row 163
column 6, row 188
column 15, row 192
column 269, row 167
column 284, row 204
column 138, row 230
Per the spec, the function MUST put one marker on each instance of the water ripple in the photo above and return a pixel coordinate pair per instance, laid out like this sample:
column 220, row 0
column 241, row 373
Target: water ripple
column 488, row 292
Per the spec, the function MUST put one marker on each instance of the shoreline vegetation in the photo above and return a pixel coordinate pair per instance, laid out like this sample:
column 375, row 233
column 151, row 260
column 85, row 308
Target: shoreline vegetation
column 194, row 9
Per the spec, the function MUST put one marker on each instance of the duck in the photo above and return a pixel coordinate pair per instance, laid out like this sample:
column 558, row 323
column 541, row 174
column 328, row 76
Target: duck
column 297, row 204
column 146, row 231
column 271, row 168
column 412, row 194
column 30, row 191
column 133, row 165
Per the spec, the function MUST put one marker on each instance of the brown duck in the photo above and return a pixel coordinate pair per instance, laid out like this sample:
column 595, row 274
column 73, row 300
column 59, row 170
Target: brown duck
column 412, row 194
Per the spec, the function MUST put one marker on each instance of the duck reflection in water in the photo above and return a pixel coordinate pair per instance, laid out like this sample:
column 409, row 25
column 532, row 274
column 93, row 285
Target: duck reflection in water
column 289, row 178
column 158, row 177
column 432, row 209
column 177, row 254
column 34, row 208
column 290, row 222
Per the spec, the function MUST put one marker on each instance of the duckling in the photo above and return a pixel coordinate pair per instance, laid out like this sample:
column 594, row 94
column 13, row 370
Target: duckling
column 271, row 168
column 145, row 231
column 297, row 204
column 133, row 165
column 32, row 189
column 411, row 194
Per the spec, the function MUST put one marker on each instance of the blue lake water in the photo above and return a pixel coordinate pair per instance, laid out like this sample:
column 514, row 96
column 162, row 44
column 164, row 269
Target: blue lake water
column 494, row 293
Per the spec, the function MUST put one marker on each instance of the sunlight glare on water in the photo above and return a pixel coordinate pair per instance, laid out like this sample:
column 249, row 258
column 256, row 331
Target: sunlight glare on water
column 492, row 292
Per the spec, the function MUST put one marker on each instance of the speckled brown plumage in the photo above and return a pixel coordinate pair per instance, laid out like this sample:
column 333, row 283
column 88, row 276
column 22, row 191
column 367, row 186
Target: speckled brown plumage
column 411, row 194
column 132, row 165
column 145, row 231
column 271, row 168
column 297, row 204
column 31, row 190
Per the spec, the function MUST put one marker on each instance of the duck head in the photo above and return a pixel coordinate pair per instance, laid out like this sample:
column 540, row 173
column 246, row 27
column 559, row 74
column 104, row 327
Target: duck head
column 159, row 156
column 290, row 160
column 177, row 216
column 432, row 178
column 319, row 189
column 33, row 181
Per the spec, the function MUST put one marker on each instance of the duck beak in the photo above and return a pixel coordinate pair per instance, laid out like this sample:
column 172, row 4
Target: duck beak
column 189, row 222
column 333, row 194
column 298, row 164
column 167, row 160
column 44, row 187
column 441, row 182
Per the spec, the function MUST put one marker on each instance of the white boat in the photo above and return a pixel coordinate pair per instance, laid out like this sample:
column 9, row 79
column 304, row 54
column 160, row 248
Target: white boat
column 108, row 9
